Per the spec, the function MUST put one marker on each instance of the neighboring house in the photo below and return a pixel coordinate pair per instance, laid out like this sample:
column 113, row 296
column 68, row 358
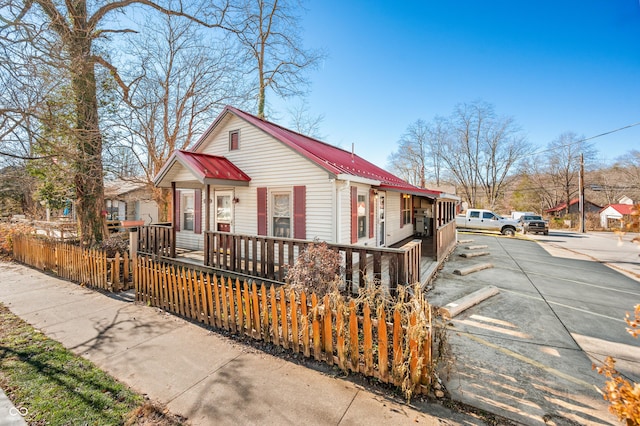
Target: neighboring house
column 127, row 200
column 616, row 215
column 249, row 176
column 560, row 210
column 625, row 200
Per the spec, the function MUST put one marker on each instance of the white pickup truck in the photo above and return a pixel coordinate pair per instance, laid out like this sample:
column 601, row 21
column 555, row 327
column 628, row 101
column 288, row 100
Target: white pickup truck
column 486, row 220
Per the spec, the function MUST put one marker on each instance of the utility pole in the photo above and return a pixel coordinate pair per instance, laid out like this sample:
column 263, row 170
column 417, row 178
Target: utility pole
column 581, row 189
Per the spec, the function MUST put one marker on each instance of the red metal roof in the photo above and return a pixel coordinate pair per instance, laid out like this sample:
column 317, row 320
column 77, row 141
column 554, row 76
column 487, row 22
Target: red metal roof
column 623, row 209
column 331, row 158
column 204, row 167
column 211, row 166
column 562, row 206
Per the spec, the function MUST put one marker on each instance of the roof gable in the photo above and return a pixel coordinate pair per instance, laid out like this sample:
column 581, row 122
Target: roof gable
column 623, row 209
column 331, row 158
column 204, row 167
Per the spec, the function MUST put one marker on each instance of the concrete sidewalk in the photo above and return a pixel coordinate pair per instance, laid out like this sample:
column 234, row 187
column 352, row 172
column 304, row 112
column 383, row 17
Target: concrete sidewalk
column 199, row 374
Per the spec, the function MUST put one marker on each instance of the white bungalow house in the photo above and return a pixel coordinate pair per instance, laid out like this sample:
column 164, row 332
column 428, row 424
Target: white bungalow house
column 248, row 176
column 615, row 215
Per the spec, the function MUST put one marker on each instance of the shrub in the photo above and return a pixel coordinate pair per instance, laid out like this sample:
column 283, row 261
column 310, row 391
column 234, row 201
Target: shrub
column 114, row 244
column 317, row 270
column 7, row 232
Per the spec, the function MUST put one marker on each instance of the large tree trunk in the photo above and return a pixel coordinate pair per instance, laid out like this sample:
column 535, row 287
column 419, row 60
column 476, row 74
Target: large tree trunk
column 88, row 164
column 261, row 96
column 162, row 197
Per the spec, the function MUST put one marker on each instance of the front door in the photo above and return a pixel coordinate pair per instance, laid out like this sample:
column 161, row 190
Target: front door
column 381, row 220
column 223, row 211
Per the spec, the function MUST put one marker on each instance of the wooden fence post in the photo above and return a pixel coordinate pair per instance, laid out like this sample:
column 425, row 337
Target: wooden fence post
column 133, row 252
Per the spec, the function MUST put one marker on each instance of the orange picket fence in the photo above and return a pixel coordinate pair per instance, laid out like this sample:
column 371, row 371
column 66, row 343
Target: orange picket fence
column 89, row 267
column 390, row 344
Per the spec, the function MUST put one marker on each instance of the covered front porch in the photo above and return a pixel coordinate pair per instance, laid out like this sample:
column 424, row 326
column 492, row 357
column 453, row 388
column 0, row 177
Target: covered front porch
column 269, row 258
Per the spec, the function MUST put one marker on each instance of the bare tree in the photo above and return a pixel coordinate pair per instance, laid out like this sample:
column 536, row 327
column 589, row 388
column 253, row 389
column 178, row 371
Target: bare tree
column 73, row 28
column 183, row 77
column 606, row 185
column 629, row 164
column 461, row 153
column 481, row 151
column 563, row 165
column 503, row 148
column 268, row 31
column 305, row 123
column 409, row 161
column 28, row 78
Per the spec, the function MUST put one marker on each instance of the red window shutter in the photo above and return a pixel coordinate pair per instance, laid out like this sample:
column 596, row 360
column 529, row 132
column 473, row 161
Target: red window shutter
column 197, row 211
column 233, row 143
column 354, row 215
column 372, row 210
column 176, row 209
column 262, row 211
column 401, row 210
column 300, row 212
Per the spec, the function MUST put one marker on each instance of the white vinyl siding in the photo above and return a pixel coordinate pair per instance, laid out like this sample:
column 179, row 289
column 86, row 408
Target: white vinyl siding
column 189, row 240
column 271, row 164
column 184, row 175
column 394, row 231
column 344, row 202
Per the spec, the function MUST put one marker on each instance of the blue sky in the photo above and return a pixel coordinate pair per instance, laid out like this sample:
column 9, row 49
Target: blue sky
column 554, row 66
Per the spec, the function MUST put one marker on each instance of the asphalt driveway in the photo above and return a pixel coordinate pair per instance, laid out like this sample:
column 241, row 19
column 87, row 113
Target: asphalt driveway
column 527, row 352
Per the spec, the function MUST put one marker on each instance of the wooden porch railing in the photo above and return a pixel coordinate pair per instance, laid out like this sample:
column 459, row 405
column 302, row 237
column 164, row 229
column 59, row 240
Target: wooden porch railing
column 270, row 258
column 445, row 239
column 157, row 240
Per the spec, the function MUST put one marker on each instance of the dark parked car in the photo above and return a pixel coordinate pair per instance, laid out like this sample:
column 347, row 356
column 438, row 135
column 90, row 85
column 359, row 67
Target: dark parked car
column 534, row 223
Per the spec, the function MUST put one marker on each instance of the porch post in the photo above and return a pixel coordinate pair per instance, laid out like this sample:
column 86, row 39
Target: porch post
column 207, row 208
column 207, row 215
column 174, row 218
column 435, row 222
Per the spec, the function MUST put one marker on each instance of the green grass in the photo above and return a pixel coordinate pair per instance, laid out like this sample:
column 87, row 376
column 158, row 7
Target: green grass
column 56, row 387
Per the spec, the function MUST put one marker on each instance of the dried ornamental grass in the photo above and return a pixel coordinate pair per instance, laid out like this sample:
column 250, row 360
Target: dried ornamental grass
column 7, row 232
column 623, row 396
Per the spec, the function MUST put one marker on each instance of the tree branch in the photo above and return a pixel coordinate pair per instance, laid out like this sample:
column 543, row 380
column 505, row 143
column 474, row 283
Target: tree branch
column 116, row 76
column 126, row 30
column 23, row 12
column 58, row 22
column 100, row 13
column 24, row 157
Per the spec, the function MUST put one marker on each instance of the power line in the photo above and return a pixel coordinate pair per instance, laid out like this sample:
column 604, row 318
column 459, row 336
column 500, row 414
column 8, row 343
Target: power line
column 589, row 138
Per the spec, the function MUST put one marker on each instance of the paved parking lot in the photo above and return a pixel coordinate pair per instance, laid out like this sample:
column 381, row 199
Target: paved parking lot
column 614, row 250
column 527, row 352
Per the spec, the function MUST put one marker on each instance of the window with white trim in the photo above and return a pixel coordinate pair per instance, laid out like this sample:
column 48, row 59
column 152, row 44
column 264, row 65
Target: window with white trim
column 187, row 204
column 362, row 216
column 406, row 209
column 281, row 214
